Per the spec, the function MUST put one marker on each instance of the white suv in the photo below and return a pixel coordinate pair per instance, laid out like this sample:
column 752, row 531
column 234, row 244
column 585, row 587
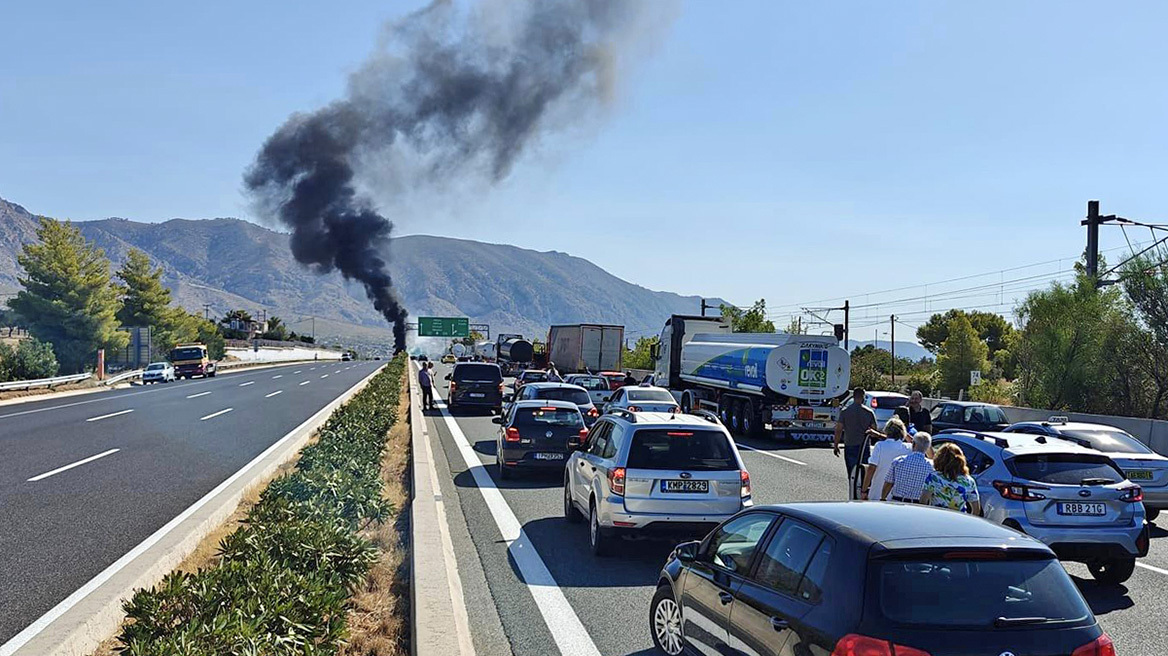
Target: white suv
column 654, row 473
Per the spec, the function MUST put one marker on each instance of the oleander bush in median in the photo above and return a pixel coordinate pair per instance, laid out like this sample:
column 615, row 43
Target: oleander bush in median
column 282, row 583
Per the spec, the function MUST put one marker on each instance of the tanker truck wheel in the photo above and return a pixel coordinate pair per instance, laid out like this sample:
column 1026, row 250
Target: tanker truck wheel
column 724, row 410
column 751, row 421
column 737, row 408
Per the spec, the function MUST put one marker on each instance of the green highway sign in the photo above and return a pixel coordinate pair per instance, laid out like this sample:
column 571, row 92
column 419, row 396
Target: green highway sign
column 443, row 327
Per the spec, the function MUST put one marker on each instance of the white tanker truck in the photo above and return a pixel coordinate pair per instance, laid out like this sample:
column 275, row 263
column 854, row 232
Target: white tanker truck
column 793, row 383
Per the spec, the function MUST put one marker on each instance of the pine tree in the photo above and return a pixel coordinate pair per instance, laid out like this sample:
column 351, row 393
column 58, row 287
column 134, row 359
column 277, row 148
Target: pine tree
column 962, row 351
column 68, row 298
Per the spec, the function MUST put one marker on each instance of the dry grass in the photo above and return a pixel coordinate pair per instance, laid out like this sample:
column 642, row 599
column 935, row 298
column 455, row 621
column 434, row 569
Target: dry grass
column 379, row 622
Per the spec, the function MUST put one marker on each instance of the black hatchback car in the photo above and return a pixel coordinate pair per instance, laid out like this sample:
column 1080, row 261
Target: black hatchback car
column 873, row 579
column 475, row 385
column 968, row 415
column 538, row 435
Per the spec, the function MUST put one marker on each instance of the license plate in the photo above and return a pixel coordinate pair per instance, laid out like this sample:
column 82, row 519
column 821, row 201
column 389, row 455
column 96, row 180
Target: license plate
column 1090, row 509
column 685, row 486
column 476, row 395
column 549, row 456
column 1139, row 474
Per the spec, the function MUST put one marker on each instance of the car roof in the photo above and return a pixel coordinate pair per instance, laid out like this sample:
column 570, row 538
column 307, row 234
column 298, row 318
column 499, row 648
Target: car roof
column 159, row 362
column 1069, row 425
column 546, row 403
column 611, row 373
column 902, row 526
column 669, row 420
column 648, row 387
column 533, row 371
column 1019, row 443
column 968, row 403
column 543, row 384
column 878, row 393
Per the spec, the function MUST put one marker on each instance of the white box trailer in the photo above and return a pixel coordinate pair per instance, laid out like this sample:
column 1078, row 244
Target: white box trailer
column 586, row 347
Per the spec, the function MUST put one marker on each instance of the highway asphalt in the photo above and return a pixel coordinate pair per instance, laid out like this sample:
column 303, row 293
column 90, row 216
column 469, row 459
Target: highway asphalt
column 610, row 597
column 84, row 479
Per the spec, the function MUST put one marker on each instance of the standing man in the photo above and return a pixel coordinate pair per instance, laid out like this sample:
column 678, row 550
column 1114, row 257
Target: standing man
column 854, row 423
column 553, row 374
column 906, row 478
column 919, row 418
column 426, row 381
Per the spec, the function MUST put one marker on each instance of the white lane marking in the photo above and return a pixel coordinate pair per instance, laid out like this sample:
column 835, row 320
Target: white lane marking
column 324, row 376
column 33, row 630
column 569, row 633
column 773, row 455
column 277, row 377
column 58, row 470
column 305, row 383
column 1153, row 568
column 195, row 396
column 112, row 414
column 274, row 394
column 296, row 372
column 216, row 414
column 250, row 382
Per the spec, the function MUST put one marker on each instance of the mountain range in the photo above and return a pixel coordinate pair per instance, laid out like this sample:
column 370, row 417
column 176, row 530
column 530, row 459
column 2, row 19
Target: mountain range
column 216, row 265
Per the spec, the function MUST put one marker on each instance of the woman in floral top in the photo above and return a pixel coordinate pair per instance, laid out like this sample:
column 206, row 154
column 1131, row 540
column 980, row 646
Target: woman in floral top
column 950, row 485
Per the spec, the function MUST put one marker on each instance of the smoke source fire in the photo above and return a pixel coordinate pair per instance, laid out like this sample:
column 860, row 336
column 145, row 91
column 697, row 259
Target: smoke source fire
column 450, row 93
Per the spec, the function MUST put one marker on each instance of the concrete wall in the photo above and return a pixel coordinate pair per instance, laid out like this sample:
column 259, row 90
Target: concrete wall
column 1153, row 432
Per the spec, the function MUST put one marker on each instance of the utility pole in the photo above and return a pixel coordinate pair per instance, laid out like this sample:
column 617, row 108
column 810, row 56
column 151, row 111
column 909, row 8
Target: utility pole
column 207, row 311
column 892, row 346
column 707, row 306
column 1092, row 222
column 847, row 328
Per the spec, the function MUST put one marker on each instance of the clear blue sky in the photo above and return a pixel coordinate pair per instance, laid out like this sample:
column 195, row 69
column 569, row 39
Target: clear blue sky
column 794, row 151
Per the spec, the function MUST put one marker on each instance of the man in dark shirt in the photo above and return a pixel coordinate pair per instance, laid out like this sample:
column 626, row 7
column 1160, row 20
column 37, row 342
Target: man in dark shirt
column 855, row 424
column 919, row 418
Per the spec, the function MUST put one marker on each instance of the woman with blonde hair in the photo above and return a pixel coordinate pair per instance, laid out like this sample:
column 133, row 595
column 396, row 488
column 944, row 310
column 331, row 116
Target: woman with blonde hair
column 894, row 443
column 950, row 485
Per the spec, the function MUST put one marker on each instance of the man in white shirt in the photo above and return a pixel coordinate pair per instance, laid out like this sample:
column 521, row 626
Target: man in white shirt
column 896, row 443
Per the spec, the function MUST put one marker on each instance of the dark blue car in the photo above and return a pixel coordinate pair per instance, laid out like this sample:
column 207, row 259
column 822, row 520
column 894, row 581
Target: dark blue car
column 878, row 579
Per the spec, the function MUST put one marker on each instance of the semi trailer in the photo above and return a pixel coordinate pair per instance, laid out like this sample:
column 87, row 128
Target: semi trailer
column 789, row 384
column 513, row 353
column 586, row 347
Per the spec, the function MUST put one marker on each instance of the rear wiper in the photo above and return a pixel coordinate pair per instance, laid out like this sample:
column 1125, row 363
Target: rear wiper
column 1096, row 481
column 1003, row 622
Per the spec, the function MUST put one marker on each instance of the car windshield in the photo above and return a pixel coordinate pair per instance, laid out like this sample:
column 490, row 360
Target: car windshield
column 547, row 417
column 651, row 395
column 985, row 414
column 890, row 402
column 478, row 372
column 157, row 366
column 577, row 396
column 685, row 449
column 984, row 594
column 1108, row 440
column 186, row 354
column 533, row 376
column 1065, row 468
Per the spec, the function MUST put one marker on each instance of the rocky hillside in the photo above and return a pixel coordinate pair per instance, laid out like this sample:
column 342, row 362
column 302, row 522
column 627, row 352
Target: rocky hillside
column 229, row 263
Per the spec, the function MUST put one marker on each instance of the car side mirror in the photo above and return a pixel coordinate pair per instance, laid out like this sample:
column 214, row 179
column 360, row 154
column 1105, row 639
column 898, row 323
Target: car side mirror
column 607, row 398
column 497, row 420
column 447, row 376
column 687, row 552
column 509, row 398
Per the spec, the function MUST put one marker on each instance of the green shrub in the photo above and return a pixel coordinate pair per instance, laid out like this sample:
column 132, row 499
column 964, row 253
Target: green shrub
column 282, row 582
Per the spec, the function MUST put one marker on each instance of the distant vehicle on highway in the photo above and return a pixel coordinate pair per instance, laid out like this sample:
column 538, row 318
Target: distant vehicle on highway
column 883, row 404
column 191, row 360
column 529, row 376
column 475, row 385
column 1074, row 499
column 868, row 579
column 653, row 473
column 561, row 392
column 642, row 399
column 159, row 372
column 537, row 435
column 1139, row 463
column 346, row 357
column 597, row 387
column 968, row 415
column 616, row 379
column 584, row 347
column 449, row 359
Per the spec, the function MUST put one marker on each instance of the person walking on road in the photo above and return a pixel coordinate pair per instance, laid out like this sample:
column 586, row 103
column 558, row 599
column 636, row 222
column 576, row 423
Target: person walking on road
column 553, row 374
column 919, row 418
column 950, row 485
column 426, row 382
column 907, row 475
column 894, row 443
column 854, row 423
column 630, row 379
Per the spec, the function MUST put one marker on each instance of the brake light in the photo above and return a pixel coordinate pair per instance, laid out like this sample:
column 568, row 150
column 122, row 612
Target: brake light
column 1101, row 646
column 874, row 404
column 858, row 645
column 616, row 480
column 583, row 437
column 500, row 388
column 634, row 408
column 549, row 409
column 453, row 386
column 593, row 412
column 512, row 434
column 1131, row 494
column 678, row 434
column 1019, row 492
column 745, row 483
column 806, row 413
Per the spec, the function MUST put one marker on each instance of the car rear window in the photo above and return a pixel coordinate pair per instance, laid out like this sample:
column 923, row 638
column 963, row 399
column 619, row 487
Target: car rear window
column 478, row 372
column 691, row 450
column 533, row 376
column 651, row 395
column 591, row 383
column 547, row 417
column 1109, row 441
column 986, row 594
column 1065, row 468
column 579, row 397
column 155, row 367
column 890, row 402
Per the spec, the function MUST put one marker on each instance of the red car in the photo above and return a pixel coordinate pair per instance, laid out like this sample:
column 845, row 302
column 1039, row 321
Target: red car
column 616, row 379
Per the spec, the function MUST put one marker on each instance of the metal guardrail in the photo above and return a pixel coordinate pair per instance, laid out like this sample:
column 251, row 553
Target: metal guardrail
column 123, row 376
column 43, row 382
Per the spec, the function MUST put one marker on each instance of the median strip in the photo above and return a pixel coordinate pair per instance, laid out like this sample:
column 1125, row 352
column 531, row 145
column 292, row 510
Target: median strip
column 58, row 470
column 216, row 414
column 112, row 414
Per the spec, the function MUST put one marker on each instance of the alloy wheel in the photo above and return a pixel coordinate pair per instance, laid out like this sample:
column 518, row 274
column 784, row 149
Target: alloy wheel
column 667, row 626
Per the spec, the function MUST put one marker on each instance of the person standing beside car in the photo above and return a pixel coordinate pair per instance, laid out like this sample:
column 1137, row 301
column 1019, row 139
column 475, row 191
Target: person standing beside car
column 919, row 417
column 895, row 443
column 907, row 475
column 553, row 374
column 852, row 428
column 950, row 485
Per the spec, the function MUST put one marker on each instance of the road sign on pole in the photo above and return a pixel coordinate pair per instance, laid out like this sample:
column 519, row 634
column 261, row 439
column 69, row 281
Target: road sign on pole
column 974, row 377
column 443, row 327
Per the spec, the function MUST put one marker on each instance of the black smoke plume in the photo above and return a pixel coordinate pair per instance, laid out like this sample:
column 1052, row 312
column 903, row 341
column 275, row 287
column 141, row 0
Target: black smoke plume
column 451, row 94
